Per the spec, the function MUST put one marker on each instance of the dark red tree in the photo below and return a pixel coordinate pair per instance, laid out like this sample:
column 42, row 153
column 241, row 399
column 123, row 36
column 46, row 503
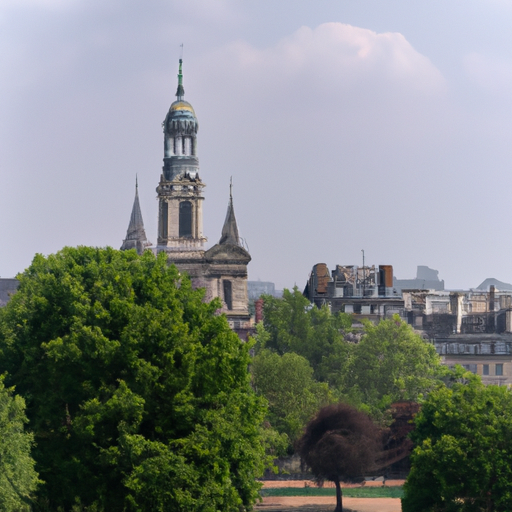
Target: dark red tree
column 395, row 440
column 340, row 442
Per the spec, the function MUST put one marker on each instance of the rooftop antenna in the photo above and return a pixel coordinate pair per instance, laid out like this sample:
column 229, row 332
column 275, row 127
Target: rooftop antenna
column 364, row 275
column 231, row 188
column 181, row 51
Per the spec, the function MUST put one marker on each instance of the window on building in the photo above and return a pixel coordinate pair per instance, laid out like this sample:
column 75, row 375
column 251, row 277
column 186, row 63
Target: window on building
column 228, row 294
column 185, row 219
column 499, row 369
column 163, row 219
column 485, row 369
column 470, row 367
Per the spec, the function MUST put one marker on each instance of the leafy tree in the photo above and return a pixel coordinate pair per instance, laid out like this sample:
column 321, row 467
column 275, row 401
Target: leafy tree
column 18, row 479
column 292, row 393
column 391, row 363
column 463, row 456
column 294, row 325
column 340, row 442
column 137, row 391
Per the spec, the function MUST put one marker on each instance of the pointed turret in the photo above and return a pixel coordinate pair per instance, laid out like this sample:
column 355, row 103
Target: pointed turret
column 136, row 235
column 230, row 228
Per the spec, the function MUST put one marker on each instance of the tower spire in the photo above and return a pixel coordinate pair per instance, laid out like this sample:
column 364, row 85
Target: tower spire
column 230, row 228
column 136, row 234
column 181, row 91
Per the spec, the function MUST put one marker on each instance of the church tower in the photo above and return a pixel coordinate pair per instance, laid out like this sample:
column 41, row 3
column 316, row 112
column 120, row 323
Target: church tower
column 180, row 191
column 222, row 269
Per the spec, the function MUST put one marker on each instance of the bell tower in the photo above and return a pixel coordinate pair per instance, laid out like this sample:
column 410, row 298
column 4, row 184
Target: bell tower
column 180, row 191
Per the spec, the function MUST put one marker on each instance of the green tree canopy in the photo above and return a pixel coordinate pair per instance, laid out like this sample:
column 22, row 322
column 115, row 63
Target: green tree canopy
column 391, row 363
column 463, row 456
column 137, row 391
column 292, row 393
column 18, row 478
column 294, row 325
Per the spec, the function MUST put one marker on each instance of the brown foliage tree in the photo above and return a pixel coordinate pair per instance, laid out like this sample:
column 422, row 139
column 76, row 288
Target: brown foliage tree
column 396, row 443
column 340, row 442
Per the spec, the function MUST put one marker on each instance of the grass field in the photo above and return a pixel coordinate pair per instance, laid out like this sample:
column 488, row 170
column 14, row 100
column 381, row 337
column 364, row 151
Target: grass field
column 354, row 492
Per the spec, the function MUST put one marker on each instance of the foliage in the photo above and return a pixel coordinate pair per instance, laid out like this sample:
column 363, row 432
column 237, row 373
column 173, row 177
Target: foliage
column 340, row 442
column 287, row 384
column 463, row 456
column 137, row 391
column 293, row 325
column 18, row 479
column 391, row 363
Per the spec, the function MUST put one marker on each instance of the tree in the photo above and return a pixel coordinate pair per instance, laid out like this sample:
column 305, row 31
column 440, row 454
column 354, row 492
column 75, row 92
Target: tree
column 340, row 442
column 18, row 479
column 462, row 461
column 294, row 325
column 391, row 363
column 292, row 393
column 137, row 391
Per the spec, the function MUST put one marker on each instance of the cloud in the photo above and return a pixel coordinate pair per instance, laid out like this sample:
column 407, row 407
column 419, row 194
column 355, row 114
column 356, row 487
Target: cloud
column 317, row 130
column 336, row 53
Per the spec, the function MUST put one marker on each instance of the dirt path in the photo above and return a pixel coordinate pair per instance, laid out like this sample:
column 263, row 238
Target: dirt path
column 327, row 504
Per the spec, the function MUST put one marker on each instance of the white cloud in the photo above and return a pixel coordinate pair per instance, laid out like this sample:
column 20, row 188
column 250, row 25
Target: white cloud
column 338, row 53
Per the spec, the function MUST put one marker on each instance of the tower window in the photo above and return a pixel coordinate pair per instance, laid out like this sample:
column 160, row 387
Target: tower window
column 228, row 294
column 185, row 219
column 163, row 219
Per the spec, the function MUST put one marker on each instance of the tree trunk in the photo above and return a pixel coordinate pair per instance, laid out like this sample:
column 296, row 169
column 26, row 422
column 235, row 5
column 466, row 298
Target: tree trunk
column 339, row 505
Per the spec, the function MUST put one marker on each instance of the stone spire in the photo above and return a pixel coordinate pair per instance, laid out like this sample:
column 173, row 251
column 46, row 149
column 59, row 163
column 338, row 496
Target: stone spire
column 136, row 235
column 230, row 229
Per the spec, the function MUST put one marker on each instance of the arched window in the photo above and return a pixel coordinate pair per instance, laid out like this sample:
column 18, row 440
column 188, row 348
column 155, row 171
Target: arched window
column 163, row 219
column 228, row 293
column 185, row 219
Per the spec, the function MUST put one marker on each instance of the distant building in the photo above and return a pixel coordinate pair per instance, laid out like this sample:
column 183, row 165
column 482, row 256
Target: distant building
column 471, row 327
column 364, row 291
column 426, row 279
column 255, row 289
column 7, row 288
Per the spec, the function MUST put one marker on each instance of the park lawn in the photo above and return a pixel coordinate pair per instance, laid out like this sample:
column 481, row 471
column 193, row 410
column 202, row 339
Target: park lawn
column 352, row 492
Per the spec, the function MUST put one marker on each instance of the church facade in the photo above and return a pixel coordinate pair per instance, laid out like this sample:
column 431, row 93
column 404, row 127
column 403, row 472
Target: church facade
column 222, row 269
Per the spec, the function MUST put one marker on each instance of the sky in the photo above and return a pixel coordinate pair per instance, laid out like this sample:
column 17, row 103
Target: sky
column 347, row 125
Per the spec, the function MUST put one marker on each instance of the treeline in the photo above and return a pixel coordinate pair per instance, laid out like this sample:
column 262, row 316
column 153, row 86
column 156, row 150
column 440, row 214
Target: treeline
column 306, row 357
column 122, row 390
column 134, row 392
